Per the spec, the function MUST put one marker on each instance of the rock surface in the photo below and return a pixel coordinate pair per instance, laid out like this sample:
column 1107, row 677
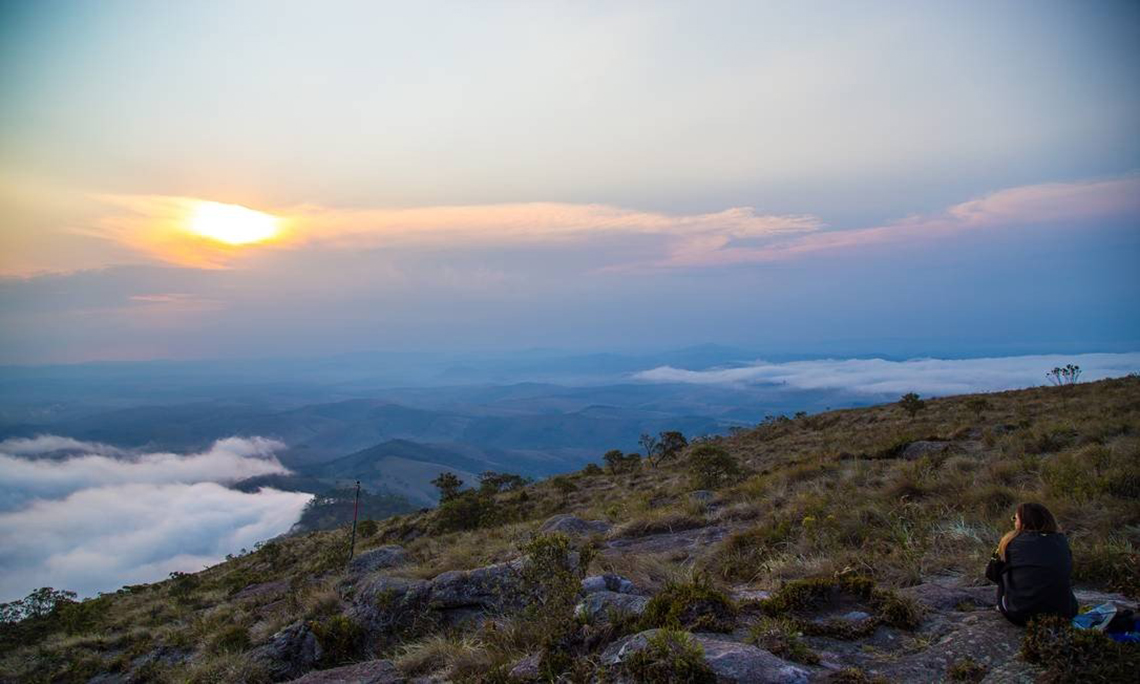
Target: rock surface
column 371, row 672
column 601, row 606
column 289, row 653
column 574, row 526
column 377, row 559
column 607, row 582
column 732, row 661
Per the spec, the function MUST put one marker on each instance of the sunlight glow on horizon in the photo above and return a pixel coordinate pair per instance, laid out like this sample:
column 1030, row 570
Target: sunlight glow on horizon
column 232, row 224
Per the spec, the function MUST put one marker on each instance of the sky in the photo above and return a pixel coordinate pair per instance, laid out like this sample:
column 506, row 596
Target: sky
column 849, row 178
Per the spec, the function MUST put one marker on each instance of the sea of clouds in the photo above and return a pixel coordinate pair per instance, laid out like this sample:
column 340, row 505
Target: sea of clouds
column 929, row 377
column 90, row 517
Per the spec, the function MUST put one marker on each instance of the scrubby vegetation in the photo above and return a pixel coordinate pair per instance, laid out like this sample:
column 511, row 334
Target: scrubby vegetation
column 1070, row 655
column 829, row 511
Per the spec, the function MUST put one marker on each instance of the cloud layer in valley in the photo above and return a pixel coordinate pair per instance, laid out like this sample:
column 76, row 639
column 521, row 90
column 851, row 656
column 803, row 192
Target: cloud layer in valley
column 938, row 377
column 89, row 517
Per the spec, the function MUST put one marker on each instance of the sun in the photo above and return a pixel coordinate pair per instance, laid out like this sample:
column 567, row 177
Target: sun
column 231, row 223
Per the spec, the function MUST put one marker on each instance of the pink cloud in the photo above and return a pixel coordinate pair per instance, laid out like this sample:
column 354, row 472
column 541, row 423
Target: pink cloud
column 1048, row 203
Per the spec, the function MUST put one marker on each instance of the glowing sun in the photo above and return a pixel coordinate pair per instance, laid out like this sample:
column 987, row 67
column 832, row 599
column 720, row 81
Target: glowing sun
column 231, row 224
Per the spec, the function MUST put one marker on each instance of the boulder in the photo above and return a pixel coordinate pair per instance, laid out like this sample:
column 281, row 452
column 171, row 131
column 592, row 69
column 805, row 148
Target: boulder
column 377, row 559
column 493, row 587
column 371, row 672
column 601, row 606
column 947, row 597
column 607, row 582
column 289, row 653
column 574, row 526
column 916, row 450
column 702, row 496
column 387, row 605
column 731, row 661
column 526, row 669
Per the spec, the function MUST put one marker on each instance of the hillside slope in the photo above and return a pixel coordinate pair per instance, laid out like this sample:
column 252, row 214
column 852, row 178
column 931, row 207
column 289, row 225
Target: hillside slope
column 842, row 546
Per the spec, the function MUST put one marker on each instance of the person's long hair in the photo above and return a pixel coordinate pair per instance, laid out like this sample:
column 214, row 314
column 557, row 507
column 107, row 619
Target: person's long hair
column 1034, row 518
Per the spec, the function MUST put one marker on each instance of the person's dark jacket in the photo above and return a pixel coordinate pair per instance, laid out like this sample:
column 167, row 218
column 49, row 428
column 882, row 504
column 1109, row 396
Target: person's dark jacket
column 1034, row 578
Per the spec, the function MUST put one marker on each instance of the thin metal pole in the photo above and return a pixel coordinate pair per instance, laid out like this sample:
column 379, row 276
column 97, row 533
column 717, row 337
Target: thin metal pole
column 355, row 511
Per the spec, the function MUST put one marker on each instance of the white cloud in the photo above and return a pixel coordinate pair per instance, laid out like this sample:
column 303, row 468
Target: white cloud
column 937, row 377
column 92, row 523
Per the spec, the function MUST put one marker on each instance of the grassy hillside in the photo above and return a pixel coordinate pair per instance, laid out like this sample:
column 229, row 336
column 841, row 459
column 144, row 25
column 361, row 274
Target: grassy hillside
column 873, row 493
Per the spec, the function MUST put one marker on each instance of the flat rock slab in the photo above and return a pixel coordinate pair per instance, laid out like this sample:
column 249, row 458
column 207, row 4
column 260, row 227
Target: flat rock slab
column 371, row 672
column 377, row 559
column 607, row 582
column 731, row 661
column 683, row 541
column 574, row 526
column 600, row 606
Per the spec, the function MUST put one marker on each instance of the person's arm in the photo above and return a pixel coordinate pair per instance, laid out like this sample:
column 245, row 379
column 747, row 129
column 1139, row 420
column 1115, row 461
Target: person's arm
column 995, row 568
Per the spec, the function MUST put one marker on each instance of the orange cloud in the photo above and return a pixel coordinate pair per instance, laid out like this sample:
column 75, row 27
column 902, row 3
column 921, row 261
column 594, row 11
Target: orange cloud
column 158, row 226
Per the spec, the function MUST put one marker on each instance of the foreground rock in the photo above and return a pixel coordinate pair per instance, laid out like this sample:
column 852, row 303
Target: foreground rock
column 605, row 606
column 731, row 661
column 574, row 526
column 607, row 582
column 371, row 672
column 378, row 559
column 289, row 653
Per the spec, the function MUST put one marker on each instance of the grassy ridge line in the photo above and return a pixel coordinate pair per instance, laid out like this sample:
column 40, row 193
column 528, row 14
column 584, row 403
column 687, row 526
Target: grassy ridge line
column 817, row 495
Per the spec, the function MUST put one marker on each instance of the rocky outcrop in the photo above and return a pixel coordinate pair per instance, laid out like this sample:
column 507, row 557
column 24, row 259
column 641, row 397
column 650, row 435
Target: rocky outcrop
column 289, row 653
column 371, row 672
column 377, row 559
column 574, row 526
column 731, row 661
column 494, row 587
column 607, row 582
column 604, row 606
column 916, row 450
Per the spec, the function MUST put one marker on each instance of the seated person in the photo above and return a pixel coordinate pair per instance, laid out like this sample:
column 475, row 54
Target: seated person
column 1031, row 567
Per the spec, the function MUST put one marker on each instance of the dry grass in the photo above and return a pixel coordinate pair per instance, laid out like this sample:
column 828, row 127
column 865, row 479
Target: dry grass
column 828, row 494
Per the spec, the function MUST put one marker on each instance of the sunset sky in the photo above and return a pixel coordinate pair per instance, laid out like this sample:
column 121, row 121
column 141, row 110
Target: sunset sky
column 188, row 180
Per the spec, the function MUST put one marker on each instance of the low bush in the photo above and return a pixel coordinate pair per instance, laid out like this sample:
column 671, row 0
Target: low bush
column 669, row 657
column 694, row 605
column 781, row 637
column 341, row 639
column 967, row 670
column 741, row 555
column 1077, row 655
column 712, row 467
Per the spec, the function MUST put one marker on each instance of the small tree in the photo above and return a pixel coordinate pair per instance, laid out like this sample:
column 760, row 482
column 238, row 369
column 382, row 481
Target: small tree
column 978, row 405
column 491, row 482
column 368, row 528
column 670, row 444
column 1064, row 376
column 650, row 444
column 912, row 404
column 618, row 462
column 712, row 467
column 448, row 485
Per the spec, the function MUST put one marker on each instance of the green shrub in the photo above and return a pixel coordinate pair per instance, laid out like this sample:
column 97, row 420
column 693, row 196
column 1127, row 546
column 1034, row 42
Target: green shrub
column 712, row 467
column 804, row 595
column 367, row 528
column 232, row 639
column 669, row 657
column 781, row 637
column 694, row 605
column 591, row 469
column 1071, row 655
column 1113, row 563
column 741, row 555
column 967, row 670
column 341, row 639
